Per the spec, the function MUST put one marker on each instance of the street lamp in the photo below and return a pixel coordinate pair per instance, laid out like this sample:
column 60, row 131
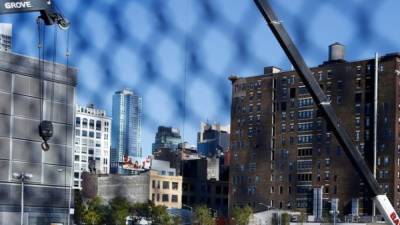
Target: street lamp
column 334, row 213
column 23, row 177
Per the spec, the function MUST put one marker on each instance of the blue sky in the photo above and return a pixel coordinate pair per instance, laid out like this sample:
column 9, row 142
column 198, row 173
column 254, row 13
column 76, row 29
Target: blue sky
column 165, row 48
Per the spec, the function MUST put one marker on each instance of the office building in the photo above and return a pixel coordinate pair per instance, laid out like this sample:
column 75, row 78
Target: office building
column 167, row 137
column 283, row 150
column 126, row 127
column 212, row 139
column 6, row 37
column 25, row 100
column 92, row 142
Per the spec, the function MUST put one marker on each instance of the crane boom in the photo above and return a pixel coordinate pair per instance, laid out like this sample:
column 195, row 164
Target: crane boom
column 47, row 11
column 380, row 198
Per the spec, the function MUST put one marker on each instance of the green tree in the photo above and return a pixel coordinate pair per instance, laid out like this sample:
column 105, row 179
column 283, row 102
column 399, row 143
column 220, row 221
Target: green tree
column 79, row 207
column 159, row 215
column 120, row 209
column 176, row 220
column 202, row 216
column 242, row 215
column 91, row 217
column 96, row 212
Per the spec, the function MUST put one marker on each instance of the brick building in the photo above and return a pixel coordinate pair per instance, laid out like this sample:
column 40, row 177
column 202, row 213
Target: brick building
column 282, row 148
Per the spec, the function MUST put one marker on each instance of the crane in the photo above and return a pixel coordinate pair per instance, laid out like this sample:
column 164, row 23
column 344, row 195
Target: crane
column 379, row 197
column 50, row 16
column 47, row 11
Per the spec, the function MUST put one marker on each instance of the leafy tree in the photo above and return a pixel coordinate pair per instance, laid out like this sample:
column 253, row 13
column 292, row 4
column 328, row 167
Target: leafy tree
column 203, row 216
column 79, row 207
column 91, row 217
column 242, row 215
column 96, row 212
column 120, row 209
column 159, row 215
column 176, row 220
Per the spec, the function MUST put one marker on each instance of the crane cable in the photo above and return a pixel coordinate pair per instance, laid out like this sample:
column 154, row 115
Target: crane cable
column 67, row 54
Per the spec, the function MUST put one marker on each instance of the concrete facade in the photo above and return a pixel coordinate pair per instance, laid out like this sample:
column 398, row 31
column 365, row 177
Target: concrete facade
column 24, row 101
column 133, row 188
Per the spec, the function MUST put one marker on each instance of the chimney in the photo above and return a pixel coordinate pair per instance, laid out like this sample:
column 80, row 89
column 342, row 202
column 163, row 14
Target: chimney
column 336, row 52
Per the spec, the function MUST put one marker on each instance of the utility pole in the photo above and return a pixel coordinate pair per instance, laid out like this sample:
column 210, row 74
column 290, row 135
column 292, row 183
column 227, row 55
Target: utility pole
column 22, row 177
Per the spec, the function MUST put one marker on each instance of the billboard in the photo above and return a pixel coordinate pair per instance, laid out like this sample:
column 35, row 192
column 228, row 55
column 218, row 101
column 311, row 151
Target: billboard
column 136, row 163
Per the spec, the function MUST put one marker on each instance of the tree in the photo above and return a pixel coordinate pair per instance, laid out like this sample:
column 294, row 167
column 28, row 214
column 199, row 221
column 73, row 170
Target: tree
column 242, row 215
column 79, row 207
column 176, row 220
column 120, row 209
column 96, row 212
column 203, row 216
column 91, row 217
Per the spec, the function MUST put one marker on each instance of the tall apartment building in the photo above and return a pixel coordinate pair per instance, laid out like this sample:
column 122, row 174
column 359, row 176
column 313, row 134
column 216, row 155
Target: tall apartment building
column 5, row 37
column 167, row 137
column 28, row 95
column 126, row 127
column 282, row 147
column 92, row 142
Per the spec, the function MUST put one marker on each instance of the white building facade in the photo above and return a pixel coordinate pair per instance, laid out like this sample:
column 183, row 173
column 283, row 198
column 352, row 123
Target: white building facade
column 5, row 37
column 92, row 142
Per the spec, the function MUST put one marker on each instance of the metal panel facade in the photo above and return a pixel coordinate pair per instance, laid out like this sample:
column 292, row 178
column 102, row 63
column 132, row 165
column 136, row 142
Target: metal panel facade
column 47, row 194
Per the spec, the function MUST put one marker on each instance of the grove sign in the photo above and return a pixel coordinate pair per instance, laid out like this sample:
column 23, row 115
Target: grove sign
column 18, row 5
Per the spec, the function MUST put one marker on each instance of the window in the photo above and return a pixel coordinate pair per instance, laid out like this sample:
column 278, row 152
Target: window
column 98, row 125
column 305, row 114
column 292, row 92
column 165, row 184
column 327, row 162
column 304, row 139
column 305, row 126
column 304, row 177
column 304, row 165
column 358, row 98
column 84, row 133
column 91, row 124
column 78, row 122
column 174, row 198
column 302, row 90
column 304, row 152
column 305, row 102
column 165, row 198
column 175, row 186
column 84, row 123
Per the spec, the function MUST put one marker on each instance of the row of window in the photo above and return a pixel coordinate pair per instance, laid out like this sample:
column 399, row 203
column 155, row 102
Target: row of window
column 92, row 123
column 165, row 185
column 164, row 198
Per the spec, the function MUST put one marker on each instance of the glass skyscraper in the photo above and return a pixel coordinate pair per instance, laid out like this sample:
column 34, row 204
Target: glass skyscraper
column 126, row 126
